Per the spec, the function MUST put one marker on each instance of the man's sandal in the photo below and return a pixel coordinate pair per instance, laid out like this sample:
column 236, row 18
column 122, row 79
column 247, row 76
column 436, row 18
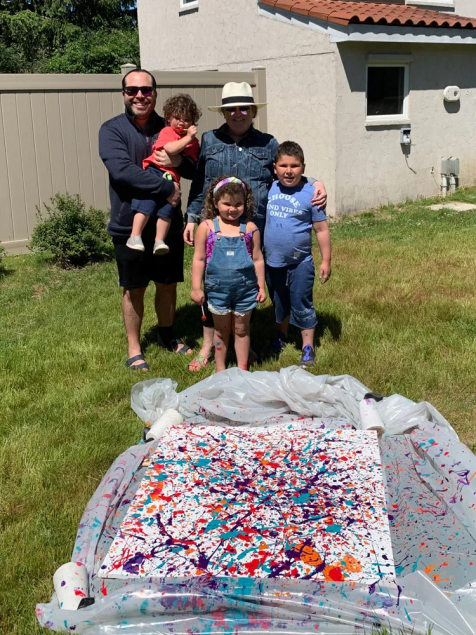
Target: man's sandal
column 174, row 347
column 131, row 360
column 199, row 362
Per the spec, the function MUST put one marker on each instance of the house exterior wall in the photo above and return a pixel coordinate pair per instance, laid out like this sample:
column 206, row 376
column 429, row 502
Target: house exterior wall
column 300, row 67
column 316, row 94
column 466, row 8
column 371, row 168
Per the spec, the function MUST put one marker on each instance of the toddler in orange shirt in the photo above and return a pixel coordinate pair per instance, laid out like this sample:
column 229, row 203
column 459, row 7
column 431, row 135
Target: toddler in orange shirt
column 179, row 136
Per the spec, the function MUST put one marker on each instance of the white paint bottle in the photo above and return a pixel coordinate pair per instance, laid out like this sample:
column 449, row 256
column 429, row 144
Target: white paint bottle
column 71, row 585
column 169, row 418
column 369, row 416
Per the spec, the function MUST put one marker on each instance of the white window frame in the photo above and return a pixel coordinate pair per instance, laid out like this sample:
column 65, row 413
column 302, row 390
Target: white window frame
column 185, row 5
column 389, row 119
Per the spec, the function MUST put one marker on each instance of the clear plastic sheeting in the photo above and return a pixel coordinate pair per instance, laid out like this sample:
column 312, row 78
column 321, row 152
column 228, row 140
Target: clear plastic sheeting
column 431, row 501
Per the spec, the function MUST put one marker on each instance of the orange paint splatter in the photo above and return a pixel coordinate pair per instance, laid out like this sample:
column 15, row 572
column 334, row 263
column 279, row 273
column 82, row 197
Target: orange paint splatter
column 351, row 564
column 310, row 556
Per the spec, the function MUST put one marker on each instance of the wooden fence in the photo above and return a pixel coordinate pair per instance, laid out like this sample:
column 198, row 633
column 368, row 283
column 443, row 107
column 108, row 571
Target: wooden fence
column 48, row 136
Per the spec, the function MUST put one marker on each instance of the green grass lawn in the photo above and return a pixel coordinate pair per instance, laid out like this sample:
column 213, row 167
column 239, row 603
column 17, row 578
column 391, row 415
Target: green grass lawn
column 399, row 314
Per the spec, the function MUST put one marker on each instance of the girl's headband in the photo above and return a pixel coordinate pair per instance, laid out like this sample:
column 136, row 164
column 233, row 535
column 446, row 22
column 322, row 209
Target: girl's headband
column 229, row 179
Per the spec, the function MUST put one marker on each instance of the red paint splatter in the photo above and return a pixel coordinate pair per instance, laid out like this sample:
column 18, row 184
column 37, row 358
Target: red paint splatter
column 336, row 574
column 252, row 566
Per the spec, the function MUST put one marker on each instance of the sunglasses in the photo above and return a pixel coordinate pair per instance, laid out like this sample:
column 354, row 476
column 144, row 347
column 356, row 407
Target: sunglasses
column 243, row 109
column 133, row 91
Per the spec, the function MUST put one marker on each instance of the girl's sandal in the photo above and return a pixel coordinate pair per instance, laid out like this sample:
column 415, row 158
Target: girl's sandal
column 199, row 362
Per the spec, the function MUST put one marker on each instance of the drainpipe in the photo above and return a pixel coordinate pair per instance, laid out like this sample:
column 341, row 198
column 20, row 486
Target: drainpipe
column 452, row 184
column 444, row 185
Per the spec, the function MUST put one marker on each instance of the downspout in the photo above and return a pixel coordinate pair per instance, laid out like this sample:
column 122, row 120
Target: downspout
column 452, row 184
column 444, row 185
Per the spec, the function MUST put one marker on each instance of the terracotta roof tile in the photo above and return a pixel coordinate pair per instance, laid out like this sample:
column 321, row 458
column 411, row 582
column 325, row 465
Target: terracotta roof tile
column 302, row 7
column 346, row 12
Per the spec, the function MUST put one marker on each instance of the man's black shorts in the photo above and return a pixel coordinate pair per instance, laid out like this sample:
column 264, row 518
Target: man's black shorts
column 138, row 268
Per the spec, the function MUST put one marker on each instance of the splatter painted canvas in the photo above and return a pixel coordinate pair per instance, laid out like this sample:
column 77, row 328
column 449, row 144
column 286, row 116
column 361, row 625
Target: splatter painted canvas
column 290, row 501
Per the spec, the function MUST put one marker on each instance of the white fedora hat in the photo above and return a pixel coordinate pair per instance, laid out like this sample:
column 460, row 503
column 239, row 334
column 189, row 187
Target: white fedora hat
column 236, row 94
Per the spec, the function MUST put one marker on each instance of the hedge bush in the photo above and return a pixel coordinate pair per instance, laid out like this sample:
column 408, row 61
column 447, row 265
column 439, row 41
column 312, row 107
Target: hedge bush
column 71, row 233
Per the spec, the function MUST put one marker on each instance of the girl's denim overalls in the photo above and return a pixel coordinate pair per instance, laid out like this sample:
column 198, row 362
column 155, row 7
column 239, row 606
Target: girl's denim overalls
column 231, row 283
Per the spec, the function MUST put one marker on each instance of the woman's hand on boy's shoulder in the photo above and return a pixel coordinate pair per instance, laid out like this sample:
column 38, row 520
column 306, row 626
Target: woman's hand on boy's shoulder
column 320, row 195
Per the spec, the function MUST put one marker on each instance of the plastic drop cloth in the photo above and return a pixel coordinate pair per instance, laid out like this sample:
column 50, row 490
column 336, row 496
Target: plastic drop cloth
column 431, row 501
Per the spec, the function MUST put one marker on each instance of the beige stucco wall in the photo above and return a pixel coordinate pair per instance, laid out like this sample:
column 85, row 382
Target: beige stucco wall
column 371, row 168
column 300, row 66
column 316, row 95
column 465, row 8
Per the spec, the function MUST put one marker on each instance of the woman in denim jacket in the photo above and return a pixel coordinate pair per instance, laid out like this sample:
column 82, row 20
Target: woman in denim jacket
column 234, row 149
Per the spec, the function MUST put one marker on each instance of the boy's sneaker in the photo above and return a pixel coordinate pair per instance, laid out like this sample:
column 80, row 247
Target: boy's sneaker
column 308, row 357
column 135, row 242
column 160, row 248
column 278, row 345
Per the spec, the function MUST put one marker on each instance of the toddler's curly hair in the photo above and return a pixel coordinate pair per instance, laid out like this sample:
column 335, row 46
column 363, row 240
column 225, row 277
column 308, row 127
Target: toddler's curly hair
column 182, row 105
column 233, row 189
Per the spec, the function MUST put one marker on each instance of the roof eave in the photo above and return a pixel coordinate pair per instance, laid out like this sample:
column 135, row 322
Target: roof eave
column 406, row 34
column 358, row 32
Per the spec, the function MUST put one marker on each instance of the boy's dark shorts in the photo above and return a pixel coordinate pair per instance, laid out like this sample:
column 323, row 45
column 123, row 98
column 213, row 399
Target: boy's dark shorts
column 291, row 288
column 152, row 207
column 137, row 268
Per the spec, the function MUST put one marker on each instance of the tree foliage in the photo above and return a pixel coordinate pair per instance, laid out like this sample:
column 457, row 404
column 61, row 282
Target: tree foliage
column 67, row 36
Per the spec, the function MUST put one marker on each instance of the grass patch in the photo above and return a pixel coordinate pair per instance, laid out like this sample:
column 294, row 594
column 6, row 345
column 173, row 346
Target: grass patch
column 399, row 314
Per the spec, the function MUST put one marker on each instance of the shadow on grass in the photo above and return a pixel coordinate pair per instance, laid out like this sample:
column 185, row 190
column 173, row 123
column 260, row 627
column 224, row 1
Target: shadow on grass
column 4, row 273
column 263, row 332
column 188, row 326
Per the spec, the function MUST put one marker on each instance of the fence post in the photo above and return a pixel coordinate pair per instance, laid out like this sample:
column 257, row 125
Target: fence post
column 260, row 75
column 125, row 68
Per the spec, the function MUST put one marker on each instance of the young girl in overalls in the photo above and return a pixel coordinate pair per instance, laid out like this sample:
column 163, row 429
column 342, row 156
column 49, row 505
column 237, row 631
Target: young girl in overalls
column 228, row 252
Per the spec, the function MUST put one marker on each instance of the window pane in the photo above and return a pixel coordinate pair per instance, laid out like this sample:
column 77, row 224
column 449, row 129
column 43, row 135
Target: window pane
column 385, row 90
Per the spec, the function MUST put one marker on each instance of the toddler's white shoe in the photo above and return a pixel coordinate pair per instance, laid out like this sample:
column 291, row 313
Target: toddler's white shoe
column 160, row 248
column 135, row 242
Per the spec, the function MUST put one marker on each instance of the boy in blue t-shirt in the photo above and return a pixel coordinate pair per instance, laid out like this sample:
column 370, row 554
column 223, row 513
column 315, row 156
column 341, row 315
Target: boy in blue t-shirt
column 290, row 219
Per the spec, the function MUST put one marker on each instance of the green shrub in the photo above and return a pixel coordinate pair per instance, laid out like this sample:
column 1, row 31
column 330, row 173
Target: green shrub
column 73, row 234
column 2, row 253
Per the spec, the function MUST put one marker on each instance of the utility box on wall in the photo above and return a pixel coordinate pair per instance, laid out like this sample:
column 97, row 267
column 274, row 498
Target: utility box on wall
column 450, row 166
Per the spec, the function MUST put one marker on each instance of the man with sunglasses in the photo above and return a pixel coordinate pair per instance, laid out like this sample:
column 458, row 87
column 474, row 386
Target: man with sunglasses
column 124, row 142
